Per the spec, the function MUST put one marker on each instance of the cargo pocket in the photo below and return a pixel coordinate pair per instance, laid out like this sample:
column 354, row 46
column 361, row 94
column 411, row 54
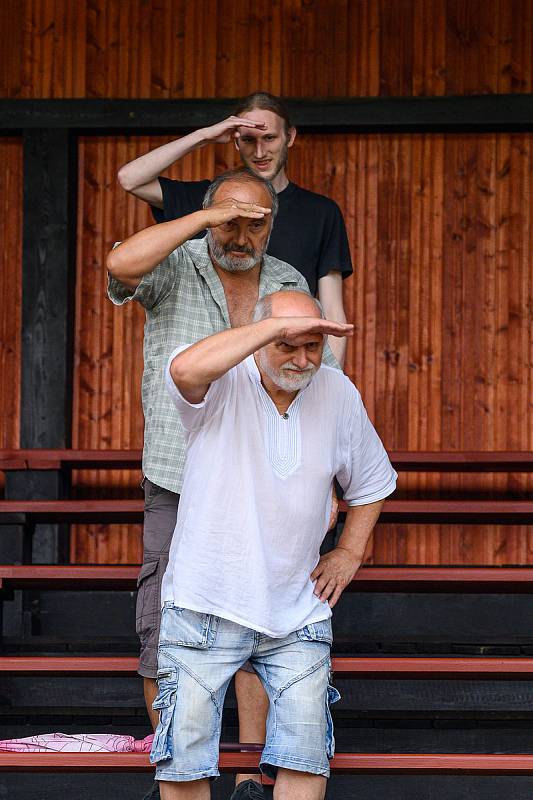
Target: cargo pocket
column 316, row 632
column 332, row 697
column 165, row 702
column 148, row 601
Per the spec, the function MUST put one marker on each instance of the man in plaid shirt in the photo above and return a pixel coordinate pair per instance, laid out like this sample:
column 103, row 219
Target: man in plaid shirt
column 190, row 289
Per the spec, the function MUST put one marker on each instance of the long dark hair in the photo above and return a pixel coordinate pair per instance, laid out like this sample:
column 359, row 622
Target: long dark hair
column 266, row 102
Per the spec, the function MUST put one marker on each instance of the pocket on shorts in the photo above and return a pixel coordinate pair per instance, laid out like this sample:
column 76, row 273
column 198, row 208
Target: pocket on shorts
column 186, row 628
column 331, row 697
column 165, row 702
column 151, row 491
column 316, row 632
column 148, row 600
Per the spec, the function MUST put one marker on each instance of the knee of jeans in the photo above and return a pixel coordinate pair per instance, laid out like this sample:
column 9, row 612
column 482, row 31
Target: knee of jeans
column 165, row 703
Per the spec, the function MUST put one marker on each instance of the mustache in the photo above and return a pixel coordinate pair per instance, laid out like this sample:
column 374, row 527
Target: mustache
column 235, row 248
column 297, row 369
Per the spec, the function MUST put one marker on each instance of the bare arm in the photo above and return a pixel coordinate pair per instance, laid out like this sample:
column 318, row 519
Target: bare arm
column 336, row 569
column 330, row 296
column 194, row 369
column 140, row 175
column 141, row 253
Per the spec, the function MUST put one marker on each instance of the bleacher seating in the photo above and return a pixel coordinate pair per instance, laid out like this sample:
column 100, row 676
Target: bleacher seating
column 31, row 578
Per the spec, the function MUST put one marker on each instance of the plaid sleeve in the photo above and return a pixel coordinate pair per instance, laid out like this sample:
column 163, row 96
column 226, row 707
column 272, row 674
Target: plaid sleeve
column 153, row 287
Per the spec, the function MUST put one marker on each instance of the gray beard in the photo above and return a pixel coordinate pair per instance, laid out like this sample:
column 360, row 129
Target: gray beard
column 281, row 378
column 226, row 261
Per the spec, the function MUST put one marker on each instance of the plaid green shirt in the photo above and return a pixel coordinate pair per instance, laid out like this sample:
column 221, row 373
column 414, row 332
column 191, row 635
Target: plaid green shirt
column 184, row 302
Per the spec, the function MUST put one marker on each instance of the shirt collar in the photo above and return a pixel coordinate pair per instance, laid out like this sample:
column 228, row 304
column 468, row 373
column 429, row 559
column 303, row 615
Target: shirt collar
column 274, row 275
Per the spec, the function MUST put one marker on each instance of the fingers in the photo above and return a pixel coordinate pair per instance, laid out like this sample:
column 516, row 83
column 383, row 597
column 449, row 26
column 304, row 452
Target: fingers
column 299, row 328
column 335, row 596
column 328, row 590
column 250, row 209
column 330, row 580
column 242, row 122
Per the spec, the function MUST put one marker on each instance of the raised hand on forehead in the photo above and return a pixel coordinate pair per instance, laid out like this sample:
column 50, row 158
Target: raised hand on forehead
column 223, row 132
column 230, row 208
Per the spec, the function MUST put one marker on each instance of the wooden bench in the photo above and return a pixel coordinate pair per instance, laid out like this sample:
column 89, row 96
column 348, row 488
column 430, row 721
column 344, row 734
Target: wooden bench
column 343, row 667
column 348, row 763
column 470, row 512
column 403, row 461
column 368, row 579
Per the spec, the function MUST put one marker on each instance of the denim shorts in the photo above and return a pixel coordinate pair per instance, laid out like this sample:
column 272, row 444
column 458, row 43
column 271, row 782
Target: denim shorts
column 199, row 654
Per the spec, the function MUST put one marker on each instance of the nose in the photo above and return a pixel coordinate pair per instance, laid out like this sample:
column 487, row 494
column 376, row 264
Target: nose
column 259, row 150
column 299, row 358
column 241, row 236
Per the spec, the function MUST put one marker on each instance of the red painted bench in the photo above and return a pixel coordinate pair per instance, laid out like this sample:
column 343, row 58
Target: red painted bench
column 368, row 579
column 343, row 667
column 348, row 763
column 474, row 512
column 404, row 461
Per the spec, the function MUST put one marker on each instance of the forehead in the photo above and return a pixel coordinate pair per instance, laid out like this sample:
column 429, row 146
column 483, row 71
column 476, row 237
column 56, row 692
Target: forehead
column 244, row 192
column 287, row 304
column 274, row 123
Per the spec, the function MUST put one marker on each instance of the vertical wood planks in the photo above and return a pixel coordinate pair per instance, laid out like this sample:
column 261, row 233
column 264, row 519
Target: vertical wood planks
column 439, row 226
column 10, row 288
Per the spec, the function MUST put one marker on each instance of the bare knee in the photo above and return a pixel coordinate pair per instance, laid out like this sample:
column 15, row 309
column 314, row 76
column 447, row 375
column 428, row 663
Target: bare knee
column 293, row 785
column 188, row 790
column 252, row 702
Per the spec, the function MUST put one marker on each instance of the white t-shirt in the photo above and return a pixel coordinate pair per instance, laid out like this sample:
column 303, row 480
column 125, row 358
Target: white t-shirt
column 256, row 496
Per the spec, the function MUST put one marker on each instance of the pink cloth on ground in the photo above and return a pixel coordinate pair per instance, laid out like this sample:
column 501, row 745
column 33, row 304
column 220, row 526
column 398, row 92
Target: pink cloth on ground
column 78, row 743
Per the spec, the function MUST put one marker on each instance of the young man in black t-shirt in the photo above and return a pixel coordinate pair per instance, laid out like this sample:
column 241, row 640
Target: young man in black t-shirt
column 308, row 233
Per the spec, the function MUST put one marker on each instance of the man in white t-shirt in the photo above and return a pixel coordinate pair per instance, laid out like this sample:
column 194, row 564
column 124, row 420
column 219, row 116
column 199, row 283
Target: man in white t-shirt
column 268, row 430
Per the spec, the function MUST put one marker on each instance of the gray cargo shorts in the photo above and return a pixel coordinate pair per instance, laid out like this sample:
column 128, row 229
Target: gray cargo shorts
column 160, row 511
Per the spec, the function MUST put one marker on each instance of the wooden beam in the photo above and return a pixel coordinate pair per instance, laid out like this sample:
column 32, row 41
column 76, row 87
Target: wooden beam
column 382, row 667
column 403, row 461
column 460, row 580
column 468, row 512
column 351, row 763
column 504, row 112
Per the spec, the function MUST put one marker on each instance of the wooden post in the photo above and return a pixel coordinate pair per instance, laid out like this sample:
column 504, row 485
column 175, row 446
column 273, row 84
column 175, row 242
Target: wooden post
column 49, row 229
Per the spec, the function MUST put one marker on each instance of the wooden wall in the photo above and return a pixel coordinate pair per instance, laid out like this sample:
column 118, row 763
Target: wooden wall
column 440, row 227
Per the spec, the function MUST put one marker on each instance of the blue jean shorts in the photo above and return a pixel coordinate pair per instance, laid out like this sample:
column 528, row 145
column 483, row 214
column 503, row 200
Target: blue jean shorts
column 199, row 654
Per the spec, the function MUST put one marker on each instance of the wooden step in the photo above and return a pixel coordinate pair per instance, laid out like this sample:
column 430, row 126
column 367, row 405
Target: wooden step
column 69, row 576
column 403, row 461
column 368, row 579
column 474, row 512
column 350, row 763
column 343, row 667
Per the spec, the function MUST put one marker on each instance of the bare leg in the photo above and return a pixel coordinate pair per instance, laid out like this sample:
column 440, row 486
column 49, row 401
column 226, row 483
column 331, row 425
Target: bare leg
column 292, row 785
column 252, row 704
column 188, row 790
column 150, row 693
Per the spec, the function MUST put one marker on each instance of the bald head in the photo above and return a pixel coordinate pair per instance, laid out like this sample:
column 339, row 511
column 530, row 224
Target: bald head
column 292, row 303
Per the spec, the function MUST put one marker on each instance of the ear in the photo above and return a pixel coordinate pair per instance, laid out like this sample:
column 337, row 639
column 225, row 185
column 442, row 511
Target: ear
column 236, row 143
column 291, row 137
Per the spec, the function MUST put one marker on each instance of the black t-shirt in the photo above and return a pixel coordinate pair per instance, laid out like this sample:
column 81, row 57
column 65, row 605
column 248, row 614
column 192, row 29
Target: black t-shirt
column 309, row 231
